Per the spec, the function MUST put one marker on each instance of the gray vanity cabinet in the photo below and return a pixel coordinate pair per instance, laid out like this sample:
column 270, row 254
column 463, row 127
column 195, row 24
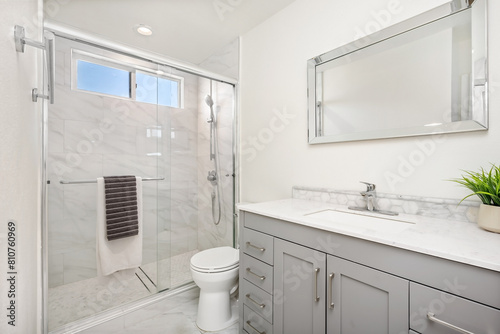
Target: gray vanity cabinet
column 365, row 300
column 299, row 289
column 310, row 285
column 325, row 282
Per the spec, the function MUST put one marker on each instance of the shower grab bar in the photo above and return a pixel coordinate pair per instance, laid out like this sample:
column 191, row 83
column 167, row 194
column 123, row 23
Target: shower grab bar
column 95, row 181
column 48, row 45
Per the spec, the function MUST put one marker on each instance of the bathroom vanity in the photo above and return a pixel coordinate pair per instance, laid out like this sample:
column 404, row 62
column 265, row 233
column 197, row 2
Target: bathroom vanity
column 304, row 270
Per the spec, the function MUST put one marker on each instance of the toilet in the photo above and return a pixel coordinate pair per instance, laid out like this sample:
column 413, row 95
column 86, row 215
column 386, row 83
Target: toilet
column 215, row 271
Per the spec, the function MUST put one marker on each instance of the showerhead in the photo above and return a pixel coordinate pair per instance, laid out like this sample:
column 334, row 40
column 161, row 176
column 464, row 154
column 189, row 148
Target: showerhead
column 209, row 101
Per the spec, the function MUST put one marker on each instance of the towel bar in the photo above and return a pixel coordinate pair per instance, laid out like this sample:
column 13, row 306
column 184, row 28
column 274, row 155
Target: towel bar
column 95, row 181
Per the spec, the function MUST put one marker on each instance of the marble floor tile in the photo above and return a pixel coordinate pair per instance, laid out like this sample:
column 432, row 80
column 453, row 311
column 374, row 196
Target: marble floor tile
column 174, row 315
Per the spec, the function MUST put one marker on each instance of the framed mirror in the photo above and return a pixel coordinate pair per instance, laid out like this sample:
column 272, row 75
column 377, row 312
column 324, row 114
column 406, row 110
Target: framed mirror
column 425, row 75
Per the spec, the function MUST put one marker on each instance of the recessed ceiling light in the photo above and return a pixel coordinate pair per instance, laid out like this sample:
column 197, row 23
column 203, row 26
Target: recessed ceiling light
column 144, row 29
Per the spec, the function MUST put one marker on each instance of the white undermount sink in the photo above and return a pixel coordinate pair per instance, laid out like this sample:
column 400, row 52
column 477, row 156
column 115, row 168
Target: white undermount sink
column 362, row 219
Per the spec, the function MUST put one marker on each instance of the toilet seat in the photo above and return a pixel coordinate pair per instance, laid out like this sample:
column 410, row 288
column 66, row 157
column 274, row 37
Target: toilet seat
column 215, row 260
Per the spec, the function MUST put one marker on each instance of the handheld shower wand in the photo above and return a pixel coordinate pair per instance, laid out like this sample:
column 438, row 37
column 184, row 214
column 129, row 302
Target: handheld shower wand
column 210, row 102
column 214, row 174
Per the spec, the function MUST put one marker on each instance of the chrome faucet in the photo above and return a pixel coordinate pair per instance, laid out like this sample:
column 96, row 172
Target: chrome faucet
column 370, row 196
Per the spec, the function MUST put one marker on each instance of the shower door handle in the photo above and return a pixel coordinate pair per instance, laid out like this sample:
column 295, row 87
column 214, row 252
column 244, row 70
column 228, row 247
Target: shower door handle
column 51, row 64
column 48, row 45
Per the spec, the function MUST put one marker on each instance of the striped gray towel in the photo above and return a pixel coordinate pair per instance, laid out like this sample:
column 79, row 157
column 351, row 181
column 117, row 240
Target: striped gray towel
column 121, row 207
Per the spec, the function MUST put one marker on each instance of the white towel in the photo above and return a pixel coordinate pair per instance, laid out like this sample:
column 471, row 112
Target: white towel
column 117, row 254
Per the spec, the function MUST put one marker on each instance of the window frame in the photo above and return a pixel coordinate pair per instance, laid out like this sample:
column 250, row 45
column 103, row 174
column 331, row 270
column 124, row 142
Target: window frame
column 77, row 55
column 171, row 77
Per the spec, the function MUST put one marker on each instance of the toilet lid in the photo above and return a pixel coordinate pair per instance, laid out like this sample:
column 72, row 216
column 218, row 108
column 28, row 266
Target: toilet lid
column 216, row 259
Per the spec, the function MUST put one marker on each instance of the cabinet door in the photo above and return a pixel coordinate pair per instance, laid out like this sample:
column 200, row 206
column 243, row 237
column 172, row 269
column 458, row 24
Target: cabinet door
column 299, row 289
column 365, row 300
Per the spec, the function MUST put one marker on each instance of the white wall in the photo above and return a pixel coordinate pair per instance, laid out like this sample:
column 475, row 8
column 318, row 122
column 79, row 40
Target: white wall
column 275, row 154
column 19, row 162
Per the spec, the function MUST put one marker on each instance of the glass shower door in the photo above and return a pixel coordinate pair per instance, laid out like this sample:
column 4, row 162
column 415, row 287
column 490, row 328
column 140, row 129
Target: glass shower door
column 93, row 133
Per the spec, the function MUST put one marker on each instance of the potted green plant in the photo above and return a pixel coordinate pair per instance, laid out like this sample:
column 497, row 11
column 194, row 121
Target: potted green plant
column 486, row 185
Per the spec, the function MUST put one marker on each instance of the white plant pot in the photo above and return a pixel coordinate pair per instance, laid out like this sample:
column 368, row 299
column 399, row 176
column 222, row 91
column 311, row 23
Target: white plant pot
column 488, row 218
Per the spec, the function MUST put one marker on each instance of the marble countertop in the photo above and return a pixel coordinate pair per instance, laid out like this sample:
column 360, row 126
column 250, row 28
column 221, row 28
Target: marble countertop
column 462, row 242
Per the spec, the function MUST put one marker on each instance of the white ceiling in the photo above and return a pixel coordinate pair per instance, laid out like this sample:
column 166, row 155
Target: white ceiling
column 188, row 30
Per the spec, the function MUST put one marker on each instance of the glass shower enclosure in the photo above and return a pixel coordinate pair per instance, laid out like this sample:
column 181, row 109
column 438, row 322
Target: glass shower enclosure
column 117, row 114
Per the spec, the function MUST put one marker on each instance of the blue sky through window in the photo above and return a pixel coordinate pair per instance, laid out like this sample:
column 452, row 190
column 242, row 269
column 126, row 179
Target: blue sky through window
column 103, row 79
column 147, row 88
column 169, row 92
column 112, row 81
column 157, row 90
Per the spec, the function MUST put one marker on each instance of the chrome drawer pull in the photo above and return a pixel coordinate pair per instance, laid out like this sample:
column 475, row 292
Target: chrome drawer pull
column 254, row 301
column 330, row 295
column 431, row 317
column 316, row 297
column 255, row 329
column 262, row 249
column 258, row 276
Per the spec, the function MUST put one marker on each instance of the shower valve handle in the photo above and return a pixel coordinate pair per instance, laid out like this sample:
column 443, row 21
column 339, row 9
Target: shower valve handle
column 212, row 176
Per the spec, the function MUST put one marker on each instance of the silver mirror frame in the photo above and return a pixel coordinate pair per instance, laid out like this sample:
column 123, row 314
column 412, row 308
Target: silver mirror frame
column 479, row 24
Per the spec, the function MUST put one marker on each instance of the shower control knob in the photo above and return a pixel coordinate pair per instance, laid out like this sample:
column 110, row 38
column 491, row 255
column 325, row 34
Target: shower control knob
column 212, row 176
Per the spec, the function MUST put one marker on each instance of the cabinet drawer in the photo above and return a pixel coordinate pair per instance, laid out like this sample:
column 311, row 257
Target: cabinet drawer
column 259, row 245
column 257, row 272
column 254, row 323
column 449, row 309
column 258, row 300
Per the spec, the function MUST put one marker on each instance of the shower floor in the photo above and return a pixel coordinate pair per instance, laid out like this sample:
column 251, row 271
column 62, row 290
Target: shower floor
column 75, row 301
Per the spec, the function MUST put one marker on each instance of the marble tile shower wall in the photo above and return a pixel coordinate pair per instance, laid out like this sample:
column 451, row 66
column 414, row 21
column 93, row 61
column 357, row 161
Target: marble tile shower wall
column 90, row 136
column 184, row 170
column 209, row 234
